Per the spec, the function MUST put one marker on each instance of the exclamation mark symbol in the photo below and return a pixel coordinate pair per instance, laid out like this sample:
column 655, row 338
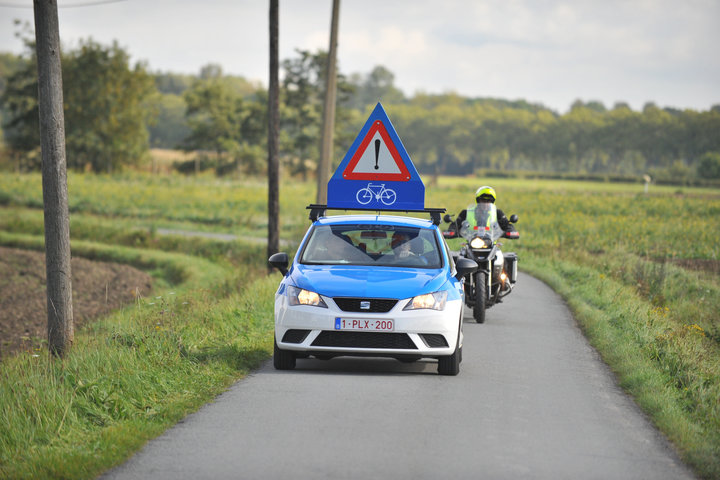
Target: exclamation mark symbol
column 377, row 153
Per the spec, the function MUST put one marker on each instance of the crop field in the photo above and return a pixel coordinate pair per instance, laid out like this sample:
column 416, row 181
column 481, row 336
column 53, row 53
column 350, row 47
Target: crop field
column 639, row 270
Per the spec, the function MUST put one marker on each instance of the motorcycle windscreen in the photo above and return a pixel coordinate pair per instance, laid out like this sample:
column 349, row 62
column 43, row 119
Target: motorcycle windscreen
column 486, row 216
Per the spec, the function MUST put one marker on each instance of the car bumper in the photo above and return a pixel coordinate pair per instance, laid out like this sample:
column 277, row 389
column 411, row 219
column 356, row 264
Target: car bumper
column 416, row 333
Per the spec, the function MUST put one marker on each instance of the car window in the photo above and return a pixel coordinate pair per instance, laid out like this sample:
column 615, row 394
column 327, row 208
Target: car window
column 380, row 245
column 448, row 252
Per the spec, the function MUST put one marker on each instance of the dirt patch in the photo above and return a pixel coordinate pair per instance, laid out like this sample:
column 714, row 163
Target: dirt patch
column 98, row 288
column 712, row 266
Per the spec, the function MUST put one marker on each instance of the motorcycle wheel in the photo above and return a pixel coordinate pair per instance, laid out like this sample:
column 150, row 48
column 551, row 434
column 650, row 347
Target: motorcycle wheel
column 479, row 308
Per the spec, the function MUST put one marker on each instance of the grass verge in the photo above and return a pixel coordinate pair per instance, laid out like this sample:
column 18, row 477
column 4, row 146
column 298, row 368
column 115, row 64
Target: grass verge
column 669, row 366
column 128, row 378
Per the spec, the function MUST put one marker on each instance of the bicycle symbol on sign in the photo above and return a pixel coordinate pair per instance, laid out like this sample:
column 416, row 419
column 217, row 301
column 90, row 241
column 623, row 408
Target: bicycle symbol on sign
column 379, row 192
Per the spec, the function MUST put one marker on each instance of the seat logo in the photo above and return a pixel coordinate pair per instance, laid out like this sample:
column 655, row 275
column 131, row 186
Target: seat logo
column 364, row 305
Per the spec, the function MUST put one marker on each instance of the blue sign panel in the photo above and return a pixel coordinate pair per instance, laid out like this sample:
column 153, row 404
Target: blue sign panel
column 376, row 173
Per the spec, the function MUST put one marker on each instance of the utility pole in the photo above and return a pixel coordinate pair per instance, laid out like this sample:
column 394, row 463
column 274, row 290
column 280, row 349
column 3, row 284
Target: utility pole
column 273, row 142
column 54, row 178
column 323, row 174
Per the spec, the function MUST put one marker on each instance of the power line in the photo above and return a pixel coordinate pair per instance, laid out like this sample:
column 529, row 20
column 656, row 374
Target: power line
column 74, row 5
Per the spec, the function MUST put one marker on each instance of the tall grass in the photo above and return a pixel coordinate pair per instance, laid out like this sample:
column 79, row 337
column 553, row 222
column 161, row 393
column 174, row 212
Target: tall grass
column 206, row 202
column 245, row 253
column 669, row 366
column 127, row 379
column 615, row 253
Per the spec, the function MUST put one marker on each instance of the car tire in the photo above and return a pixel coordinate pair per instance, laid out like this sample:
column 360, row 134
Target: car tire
column 450, row 365
column 283, row 359
column 479, row 308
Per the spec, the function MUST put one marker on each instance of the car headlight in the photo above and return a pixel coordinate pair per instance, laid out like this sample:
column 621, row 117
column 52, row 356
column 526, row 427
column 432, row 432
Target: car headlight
column 477, row 242
column 434, row 301
column 300, row 296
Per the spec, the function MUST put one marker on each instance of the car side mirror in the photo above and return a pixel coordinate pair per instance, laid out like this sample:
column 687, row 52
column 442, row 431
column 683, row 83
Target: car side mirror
column 513, row 218
column 447, row 218
column 465, row 266
column 280, row 261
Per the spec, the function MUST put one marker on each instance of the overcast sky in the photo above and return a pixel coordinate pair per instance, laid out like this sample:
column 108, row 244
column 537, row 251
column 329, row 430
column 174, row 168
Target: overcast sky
column 544, row 51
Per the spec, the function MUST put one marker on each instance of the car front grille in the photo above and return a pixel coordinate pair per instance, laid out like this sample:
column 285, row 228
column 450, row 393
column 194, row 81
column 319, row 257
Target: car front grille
column 373, row 305
column 329, row 338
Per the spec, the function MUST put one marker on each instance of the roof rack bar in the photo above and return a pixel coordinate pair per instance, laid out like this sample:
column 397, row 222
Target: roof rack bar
column 318, row 210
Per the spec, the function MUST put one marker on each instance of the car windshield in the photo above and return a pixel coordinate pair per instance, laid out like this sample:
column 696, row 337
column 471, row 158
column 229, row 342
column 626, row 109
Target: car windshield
column 379, row 245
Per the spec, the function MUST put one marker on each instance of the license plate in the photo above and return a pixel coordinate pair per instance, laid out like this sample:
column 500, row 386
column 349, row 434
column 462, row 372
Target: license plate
column 371, row 325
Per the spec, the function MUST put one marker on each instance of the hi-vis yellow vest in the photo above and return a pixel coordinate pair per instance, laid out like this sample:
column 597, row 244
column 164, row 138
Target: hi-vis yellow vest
column 472, row 220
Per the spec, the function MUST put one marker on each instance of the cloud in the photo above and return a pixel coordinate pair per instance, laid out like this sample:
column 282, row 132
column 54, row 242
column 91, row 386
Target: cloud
column 549, row 51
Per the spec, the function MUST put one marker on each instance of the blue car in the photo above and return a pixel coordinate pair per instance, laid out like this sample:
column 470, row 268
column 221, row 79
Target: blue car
column 371, row 285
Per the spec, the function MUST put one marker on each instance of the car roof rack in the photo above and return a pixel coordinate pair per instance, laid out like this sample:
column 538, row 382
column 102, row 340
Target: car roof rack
column 318, row 210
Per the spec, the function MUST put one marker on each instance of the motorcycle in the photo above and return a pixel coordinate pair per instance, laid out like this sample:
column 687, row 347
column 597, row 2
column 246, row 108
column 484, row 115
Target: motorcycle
column 497, row 274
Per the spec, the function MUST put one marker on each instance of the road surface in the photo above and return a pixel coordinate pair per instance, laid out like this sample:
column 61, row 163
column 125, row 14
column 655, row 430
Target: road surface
column 533, row 400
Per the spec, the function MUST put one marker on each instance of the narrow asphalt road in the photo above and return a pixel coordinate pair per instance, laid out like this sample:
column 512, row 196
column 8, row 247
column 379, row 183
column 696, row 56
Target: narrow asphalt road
column 533, row 400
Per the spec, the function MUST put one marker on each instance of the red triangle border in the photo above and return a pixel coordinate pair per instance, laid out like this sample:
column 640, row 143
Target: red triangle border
column 402, row 176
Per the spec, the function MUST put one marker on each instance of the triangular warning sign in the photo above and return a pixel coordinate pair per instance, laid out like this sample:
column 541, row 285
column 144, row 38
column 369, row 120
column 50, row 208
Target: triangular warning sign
column 377, row 158
column 376, row 173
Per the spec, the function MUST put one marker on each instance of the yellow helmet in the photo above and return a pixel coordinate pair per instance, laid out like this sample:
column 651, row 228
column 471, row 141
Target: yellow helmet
column 485, row 192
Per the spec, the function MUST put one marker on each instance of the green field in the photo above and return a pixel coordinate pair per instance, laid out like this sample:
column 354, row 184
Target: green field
column 640, row 272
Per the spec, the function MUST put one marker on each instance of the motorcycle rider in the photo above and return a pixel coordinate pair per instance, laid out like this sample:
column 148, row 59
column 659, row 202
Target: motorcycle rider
column 485, row 197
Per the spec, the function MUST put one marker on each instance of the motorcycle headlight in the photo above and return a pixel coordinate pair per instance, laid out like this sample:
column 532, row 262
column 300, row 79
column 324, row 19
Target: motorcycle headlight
column 477, row 242
column 300, row 296
column 434, row 301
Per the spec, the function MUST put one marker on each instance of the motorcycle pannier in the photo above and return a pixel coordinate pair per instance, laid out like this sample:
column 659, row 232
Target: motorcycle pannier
column 511, row 260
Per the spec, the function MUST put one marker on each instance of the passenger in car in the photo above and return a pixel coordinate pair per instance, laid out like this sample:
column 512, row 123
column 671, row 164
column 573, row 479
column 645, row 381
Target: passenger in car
column 339, row 249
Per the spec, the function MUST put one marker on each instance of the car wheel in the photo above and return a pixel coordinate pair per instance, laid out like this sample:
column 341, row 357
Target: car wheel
column 283, row 359
column 479, row 308
column 460, row 334
column 450, row 365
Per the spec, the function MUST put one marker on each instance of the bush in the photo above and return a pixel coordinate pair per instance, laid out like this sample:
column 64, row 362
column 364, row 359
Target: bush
column 709, row 166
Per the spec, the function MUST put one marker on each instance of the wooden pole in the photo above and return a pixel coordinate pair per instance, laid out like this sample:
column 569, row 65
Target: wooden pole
column 273, row 142
column 54, row 178
column 329, row 110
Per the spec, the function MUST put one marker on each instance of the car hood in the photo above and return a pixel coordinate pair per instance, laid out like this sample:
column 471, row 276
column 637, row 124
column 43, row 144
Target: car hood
column 368, row 282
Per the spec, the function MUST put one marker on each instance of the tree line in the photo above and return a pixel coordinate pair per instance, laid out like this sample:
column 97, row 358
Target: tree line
column 115, row 111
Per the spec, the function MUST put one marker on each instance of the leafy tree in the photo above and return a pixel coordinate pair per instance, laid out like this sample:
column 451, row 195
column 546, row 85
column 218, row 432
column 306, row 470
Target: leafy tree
column 222, row 121
column 173, row 83
column 106, row 109
column 376, row 86
column 21, row 126
column 9, row 64
column 302, row 93
column 171, row 127
column 596, row 106
column 211, row 71
column 709, row 165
